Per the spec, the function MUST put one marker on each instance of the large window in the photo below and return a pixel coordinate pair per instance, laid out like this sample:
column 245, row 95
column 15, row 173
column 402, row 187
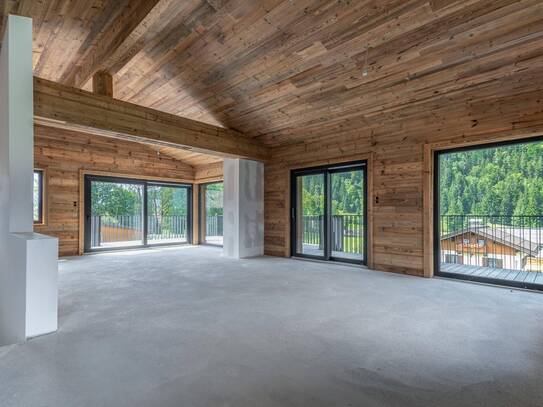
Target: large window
column 211, row 213
column 489, row 214
column 329, row 213
column 38, row 197
column 131, row 213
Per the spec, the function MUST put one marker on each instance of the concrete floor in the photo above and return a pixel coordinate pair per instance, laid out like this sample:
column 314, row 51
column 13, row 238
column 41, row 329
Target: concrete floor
column 185, row 327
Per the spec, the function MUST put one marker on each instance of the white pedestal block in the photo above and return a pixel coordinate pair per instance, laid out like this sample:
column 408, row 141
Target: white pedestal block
column 33, row 263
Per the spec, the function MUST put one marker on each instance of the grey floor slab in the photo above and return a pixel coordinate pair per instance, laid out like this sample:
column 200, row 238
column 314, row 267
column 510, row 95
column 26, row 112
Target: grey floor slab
column 184, row 326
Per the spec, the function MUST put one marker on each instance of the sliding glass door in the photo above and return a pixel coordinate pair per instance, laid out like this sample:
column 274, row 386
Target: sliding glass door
column 328, row 214
column 309, row 209
column 115, row 217
column 348, row 207
column 211, row 213
column 167, row 214
column 121, row 213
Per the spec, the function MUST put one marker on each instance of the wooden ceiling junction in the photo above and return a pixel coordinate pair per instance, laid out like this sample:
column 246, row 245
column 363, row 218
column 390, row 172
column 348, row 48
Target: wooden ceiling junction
column 285, row 72
column 66, row 107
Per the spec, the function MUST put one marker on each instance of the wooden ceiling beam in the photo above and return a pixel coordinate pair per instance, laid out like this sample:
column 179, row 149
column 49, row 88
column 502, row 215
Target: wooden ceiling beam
column 102, row 84
column 17, row 7
column 58, row 105
column 119, row 42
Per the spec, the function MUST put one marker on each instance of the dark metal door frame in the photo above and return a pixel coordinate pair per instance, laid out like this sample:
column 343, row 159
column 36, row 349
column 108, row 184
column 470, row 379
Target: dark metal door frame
column 145, row 184
column 202, row 209
column 327, row 171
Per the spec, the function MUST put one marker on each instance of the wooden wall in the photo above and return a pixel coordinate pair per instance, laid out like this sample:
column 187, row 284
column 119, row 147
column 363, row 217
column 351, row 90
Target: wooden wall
column 398, row 143
column 63, row 154
column 208, row 172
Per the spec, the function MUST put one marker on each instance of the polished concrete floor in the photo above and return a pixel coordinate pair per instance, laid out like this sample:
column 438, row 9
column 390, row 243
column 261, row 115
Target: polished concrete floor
column 185, row 327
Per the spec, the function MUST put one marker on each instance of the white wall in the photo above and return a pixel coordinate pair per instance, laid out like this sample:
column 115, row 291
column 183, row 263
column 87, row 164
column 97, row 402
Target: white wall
column 243, row 208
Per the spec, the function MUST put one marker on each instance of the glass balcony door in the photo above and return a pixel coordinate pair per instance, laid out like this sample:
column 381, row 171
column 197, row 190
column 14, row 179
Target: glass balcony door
column 347, row 214
column 328, row 214
column 122, row 213
column 211, row 213
column 115, row 214
column 309, row 213
column 167, row 214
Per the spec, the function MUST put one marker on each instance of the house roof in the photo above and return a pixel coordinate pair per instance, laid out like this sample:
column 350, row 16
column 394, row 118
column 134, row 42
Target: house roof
column 527, row 240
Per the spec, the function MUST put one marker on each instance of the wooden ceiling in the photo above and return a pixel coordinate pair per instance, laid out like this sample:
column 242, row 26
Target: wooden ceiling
column 189, row 157
column 285, row 71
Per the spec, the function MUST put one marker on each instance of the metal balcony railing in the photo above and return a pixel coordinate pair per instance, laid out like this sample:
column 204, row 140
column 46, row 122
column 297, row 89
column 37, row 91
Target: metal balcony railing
column 489, row 241
column 127, row 228
column 214, row 225
column 347, row 232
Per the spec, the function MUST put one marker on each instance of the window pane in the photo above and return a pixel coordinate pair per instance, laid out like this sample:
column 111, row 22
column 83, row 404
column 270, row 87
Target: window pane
column 347, row 214
column 310, row 214
column 38, row 196
column 212, row 219
column 116, row 214
column 491, row 213
column 167, row 219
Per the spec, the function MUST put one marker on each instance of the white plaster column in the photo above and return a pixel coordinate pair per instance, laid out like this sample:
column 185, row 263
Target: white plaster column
column 28, row 261
column 243, row 208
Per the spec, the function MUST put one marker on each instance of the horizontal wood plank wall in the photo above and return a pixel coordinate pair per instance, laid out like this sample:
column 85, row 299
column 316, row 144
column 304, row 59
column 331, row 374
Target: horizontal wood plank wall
column 400, row 175
column 63, row 154
column 208, row 172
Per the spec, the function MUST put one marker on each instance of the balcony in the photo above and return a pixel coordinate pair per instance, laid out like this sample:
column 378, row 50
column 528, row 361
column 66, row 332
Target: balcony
column 347, row 236
column 493, row 247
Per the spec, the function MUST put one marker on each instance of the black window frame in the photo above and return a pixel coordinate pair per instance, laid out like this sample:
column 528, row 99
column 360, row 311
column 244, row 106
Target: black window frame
column 202, row 210
column 436, row 216
column 327, row 171
column 41, row 197
column 88, row 178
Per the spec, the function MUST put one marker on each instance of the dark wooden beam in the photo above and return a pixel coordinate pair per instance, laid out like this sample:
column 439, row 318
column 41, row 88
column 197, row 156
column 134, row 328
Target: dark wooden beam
column 102, row 84
column 120, row 42
column 66, row 107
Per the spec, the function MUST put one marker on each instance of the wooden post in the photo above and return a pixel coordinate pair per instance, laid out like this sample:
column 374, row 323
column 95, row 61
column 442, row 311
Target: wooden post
column 102, row 84
column 428, row 211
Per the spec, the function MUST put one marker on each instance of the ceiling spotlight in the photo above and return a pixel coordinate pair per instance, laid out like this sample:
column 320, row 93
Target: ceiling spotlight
column 365, row 70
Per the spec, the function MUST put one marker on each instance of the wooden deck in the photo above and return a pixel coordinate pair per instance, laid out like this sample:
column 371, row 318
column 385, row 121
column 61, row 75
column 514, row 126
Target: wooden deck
column 531, row 277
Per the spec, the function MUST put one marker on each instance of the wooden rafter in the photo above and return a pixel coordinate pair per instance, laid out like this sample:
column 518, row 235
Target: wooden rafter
column 123, row 39
column 18, row 7
column 102, row 84
column 65, row 107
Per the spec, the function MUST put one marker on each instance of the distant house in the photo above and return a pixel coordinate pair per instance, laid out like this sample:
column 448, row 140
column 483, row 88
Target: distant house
column 494, row 246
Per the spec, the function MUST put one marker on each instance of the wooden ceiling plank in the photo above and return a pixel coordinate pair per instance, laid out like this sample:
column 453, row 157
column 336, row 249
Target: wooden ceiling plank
column 286, row 71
